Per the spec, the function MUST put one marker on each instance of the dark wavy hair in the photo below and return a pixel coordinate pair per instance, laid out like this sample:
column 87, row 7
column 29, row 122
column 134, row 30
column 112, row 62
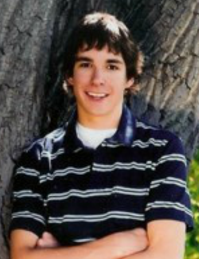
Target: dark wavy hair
column 98, row 30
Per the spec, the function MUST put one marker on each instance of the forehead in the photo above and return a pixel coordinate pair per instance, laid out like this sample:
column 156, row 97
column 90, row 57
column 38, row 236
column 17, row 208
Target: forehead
column 95, row 53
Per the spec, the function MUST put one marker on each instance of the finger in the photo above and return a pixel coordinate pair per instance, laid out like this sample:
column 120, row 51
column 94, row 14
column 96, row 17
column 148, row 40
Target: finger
column 140, row 231
column 49, row 239
column 40, row 243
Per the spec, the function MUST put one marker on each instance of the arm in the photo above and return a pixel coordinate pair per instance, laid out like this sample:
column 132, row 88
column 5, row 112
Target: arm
column 167, row 210
column 166, row 240
column 24, row 244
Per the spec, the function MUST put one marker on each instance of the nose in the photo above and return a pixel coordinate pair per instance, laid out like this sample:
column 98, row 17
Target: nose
column 98, row 77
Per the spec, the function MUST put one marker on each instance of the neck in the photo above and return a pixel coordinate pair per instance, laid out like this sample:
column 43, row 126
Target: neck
column 110, row 121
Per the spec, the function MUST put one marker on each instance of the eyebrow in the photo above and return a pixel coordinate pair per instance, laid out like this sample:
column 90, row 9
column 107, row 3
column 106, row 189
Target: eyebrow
column 112, row 60
column 82, row 59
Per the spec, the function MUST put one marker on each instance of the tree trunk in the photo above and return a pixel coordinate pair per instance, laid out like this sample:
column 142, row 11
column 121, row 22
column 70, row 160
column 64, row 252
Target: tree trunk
column 32, row 39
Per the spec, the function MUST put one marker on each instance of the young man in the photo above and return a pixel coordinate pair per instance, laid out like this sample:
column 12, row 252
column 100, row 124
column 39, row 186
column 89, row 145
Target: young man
column 105, row 185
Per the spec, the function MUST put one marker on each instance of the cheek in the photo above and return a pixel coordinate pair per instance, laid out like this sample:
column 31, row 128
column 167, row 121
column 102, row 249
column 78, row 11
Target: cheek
column 118, row 77
column 119, row 82
column 81, row 79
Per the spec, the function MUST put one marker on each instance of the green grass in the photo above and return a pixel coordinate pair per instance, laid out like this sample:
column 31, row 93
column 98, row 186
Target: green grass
column 192, row 244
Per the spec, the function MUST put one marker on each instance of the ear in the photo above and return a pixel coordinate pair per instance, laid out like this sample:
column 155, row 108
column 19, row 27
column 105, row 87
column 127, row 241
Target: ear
column 130, row 82
column 69, row 80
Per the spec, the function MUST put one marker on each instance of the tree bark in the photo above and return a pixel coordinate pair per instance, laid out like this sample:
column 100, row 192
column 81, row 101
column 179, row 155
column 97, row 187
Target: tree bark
column 32, row 44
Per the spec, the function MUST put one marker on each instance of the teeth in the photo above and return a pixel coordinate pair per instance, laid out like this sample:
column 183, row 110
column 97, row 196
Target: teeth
column 99, row 95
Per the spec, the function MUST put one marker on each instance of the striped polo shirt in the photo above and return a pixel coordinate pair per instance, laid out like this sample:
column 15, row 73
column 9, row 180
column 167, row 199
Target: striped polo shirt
column 80, row 194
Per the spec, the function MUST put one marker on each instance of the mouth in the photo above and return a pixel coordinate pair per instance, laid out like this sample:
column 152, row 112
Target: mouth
column 97, row 96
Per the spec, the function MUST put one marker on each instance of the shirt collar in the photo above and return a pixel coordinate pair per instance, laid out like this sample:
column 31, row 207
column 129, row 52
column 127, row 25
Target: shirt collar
column 126, row 129
column 71, row 142
column 124, row 134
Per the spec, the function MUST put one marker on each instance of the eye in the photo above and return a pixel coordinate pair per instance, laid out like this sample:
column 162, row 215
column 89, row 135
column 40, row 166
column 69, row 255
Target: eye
column 85, row 64
column 112, row 67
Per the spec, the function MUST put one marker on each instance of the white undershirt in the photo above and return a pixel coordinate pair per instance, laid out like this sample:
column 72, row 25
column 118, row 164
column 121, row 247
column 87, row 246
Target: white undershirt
column 92, row 138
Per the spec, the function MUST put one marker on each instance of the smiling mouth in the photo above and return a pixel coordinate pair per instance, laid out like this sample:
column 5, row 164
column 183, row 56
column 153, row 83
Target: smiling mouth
column 97, row 96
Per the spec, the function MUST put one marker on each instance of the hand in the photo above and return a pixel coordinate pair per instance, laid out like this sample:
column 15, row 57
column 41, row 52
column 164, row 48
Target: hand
column 128, row 242
column 47, row 241
column 123, row 243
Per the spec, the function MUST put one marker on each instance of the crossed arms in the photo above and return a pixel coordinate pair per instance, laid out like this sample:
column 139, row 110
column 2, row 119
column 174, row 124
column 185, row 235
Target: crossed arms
column 163, row 239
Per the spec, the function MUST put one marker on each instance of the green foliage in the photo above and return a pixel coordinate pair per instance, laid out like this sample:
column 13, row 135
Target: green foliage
column 192, row 244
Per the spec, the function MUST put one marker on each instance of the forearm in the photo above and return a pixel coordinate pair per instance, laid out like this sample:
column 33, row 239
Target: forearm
column 155, row 253
column 115, row 246
column 93, row 250
column 146, row 255
column 166, row 240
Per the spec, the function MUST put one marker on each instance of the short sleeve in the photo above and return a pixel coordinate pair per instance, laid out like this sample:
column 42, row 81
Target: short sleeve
column 28, row 211
column 168, row 194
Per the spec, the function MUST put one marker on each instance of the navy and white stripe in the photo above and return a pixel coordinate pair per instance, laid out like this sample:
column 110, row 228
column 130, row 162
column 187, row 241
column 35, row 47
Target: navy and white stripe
column 96, row 218
column 136, row 176
column 98, row 192
column 28, row 214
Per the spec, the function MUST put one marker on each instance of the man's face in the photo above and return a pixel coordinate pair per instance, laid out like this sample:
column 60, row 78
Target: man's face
column 98, row 81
